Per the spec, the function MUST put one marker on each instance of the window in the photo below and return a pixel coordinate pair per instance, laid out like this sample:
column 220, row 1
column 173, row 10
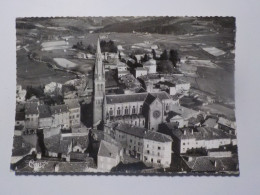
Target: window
column 126, row 110
column 143, row 122
column 118, row 111
column 145, row 158
column 77, row 115
column 148, row 152
column 183, row 144
column 147, row 145
column 159, row 161
column 167, row 107
column 133, row 110
column 140, row 109
column 111, row 112
column 159, row 148
column 135, row 123
column 131, row 141
column 152, row 160
column 158, row 153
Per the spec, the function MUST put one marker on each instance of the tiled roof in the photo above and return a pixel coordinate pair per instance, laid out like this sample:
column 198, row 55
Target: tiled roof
column 139, row 97
column 21, row 147
column 19, row 116
column 44, row 111
column 149, row 99
column 131, row 130
column 210, row 122
column 159, row 137
column 107, row 149
column 31, row 108
column 211, row 164
column 200, row 133
column 72, row 103
column 59, row 109
column 227, row 123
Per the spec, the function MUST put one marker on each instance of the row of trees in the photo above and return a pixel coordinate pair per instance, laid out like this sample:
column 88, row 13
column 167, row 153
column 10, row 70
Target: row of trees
column 106, row 46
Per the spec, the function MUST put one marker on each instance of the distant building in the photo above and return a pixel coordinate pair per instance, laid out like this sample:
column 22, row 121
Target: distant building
column 123, row 73
column 108, row 156
column 227, row 126
column 150, row 66
column 81, row 55
column 140, row 71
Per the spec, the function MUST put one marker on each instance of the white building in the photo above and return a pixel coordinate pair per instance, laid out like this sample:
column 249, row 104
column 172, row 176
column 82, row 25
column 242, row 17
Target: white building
column 140, row 71
column 74, row 110
column 151, row 66
column 60, row 114
column 186, row 139
column 108, row 156
column 150, row 147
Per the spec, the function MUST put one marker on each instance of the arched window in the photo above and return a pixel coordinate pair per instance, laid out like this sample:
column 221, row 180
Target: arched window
column 167, row 107
column 133, row 110
column 143, row 122
column 126, row 111
column 141, row 109
column 118, row 111
column 111, row 112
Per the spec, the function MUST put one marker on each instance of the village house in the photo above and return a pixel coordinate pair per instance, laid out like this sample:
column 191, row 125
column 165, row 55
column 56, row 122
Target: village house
column 109, row 155
column 31, row 115
column 148, row 146
column 53, row 89
column 45, row 117
column 60, row 114
column 190, row 138
column 227, row 125
column 74, row 111
column 150, row 66
column 140, row 71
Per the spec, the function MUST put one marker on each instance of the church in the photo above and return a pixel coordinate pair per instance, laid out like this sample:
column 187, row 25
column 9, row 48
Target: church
column 140, row 109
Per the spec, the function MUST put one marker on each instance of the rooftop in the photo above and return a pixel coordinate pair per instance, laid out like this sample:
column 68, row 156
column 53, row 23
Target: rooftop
column 31, row 108
column 44, row 111
column 59, row 109
column 107, row 149
column 199, row 133
column 139, row 97
column 72, row 103
column 156, row 136
column 227, row 123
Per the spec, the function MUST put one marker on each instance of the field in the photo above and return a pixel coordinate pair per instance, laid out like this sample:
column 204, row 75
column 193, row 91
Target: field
column 64, row 63
column 31, row 73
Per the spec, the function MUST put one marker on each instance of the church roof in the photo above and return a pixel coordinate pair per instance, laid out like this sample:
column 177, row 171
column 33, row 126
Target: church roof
column 139, row 97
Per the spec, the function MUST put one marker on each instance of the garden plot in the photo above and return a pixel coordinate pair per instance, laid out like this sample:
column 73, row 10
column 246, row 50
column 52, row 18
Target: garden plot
column 65, row 63
column 52, row 45
column 214, row 51
column 202, row 63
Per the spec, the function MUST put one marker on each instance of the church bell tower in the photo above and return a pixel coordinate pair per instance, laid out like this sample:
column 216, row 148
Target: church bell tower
column 99, row 88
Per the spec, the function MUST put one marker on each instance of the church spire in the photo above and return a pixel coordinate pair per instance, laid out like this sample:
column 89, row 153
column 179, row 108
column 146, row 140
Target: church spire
column 98, row 47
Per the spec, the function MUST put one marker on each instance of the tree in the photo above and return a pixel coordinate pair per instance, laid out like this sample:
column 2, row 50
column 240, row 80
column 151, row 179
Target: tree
column 174, row 57
column 154, row 54
column 145, row 58
column 164, row 55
